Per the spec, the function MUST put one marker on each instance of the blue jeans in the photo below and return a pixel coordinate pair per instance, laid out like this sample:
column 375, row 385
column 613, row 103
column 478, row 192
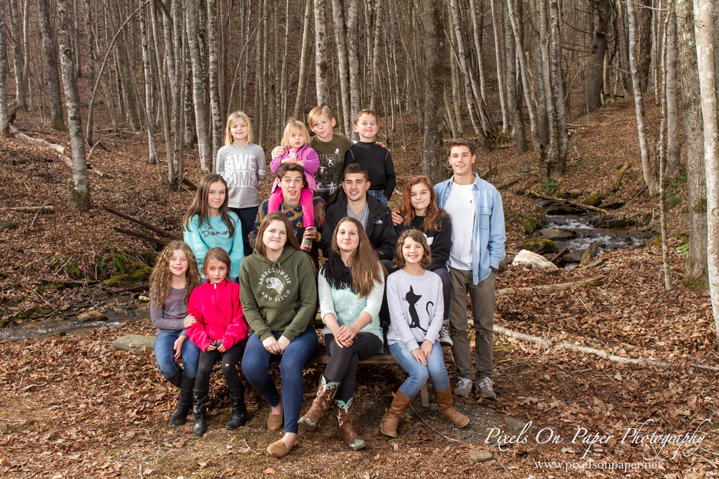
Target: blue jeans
column 247, row 220
column 256, row 364
column 419, row 373
column 164, row 354
column 378, row 195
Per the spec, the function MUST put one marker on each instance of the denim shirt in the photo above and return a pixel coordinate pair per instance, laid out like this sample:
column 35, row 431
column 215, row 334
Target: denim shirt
column 488, row 233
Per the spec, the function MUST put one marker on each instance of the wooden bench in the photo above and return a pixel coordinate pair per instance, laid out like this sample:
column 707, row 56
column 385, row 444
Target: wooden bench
column 322, row 356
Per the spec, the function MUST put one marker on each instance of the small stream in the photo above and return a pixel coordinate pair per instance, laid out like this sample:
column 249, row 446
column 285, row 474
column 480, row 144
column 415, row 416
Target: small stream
column 577, row 232
column 48, row 327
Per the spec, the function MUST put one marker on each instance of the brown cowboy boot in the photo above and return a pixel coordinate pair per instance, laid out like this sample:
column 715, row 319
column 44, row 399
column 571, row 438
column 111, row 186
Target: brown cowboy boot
column 347, row 432
column 325, row 394
column 391, row 418
column 445, row 406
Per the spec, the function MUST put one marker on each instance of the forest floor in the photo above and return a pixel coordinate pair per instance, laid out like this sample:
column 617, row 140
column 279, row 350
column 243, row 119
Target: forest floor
column 76, row 407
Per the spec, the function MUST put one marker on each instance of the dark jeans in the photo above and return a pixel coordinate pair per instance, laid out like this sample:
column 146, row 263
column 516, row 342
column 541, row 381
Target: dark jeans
column 256, row 365
column 229, row 362
column 165, row 355
column 247, row 220
column 342, row 365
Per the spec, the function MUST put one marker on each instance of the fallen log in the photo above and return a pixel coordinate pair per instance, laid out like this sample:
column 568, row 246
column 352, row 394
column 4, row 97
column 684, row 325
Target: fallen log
column 594, row 351
column 151, row 239
column 573, row 203
column 507, row 185
column 68, row 283
column 29, row 209
column 140, row 222
column 189, row 184
column 559, row 255
column 64, row 153
column 591, row 282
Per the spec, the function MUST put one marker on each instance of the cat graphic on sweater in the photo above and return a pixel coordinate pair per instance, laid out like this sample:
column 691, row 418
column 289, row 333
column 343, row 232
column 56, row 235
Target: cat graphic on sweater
column 412, row 298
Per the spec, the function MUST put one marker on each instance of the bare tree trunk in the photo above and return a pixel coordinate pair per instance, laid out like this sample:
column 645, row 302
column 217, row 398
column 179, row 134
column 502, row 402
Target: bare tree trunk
column 4, row 123
column 163, row 92
column 456, row 99
column 704, row 28
column 595, row 68
column 53, row 82
column 198, row 90
column 644, row 41
column 477, row 31
column 76, row 39
column 695, row 275
column 304, row 62
column 673, row 142
column 90, row 59
column 515, row 21
column 147, row 73
column 78, row 188
column 26, row 49
column 558, row 83
column 18, row 62
column 647, row 166
column 549, row 161
column 513, row 102
column 434, row 55
column 353, row 54
column 343, row 64
column 322, row 62
column 500, row 68
column 466, row 75
column 215, row 109
column 379, row 15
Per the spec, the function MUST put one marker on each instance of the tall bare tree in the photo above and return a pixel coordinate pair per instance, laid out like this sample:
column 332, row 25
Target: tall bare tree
column 15, row 11
column 704, row 28
column 198, row 86
column 432, row 153
column 673, row 147
column 78, row 188
column 322, row 59
column 602, row 13
column 648, row 167
column 214, row 74
column 304, row 61
column 4, row 125
column 497, row 30
column 57, row 121
column 340, row 29
column 147, row 73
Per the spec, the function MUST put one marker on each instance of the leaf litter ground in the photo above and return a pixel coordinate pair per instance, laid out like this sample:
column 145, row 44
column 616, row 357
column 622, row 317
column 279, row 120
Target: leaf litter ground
column 76, row 407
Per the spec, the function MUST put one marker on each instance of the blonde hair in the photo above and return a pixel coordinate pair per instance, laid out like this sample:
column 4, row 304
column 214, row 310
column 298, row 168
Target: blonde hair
column 314, row 115
column 234, row 116
column 161, row 278
column 365, row 111
column 292, row 126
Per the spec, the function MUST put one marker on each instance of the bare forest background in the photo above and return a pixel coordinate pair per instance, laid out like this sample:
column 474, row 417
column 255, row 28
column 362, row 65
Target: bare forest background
column 505, row 73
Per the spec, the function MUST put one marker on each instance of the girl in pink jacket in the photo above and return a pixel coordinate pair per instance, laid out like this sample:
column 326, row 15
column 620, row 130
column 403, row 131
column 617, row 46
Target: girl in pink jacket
column 296, row 140
column 220, row 331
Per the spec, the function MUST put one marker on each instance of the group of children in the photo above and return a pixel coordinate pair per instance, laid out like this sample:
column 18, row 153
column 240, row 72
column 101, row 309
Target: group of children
column 216, row 231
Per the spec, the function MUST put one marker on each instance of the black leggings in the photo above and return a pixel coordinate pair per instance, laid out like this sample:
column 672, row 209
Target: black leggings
column 342, row 365
column 229, row 362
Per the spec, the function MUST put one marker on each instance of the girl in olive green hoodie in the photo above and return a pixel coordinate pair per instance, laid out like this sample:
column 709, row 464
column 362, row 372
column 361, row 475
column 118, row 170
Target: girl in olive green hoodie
column 278, row 292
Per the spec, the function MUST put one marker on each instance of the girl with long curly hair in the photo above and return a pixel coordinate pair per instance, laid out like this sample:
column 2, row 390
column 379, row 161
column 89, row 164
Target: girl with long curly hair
column 172, row 280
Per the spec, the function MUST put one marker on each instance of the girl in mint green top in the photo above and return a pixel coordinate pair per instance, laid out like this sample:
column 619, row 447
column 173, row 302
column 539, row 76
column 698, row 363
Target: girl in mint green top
column 350, row 286
column 209, row 224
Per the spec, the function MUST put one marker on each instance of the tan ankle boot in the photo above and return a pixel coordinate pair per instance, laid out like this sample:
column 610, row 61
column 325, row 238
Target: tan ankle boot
column 445, row 406
column 391, row 418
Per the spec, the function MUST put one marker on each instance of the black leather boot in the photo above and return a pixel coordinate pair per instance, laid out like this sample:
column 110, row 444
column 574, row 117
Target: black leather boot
column 239, row 412
column 200, row 410
column 176, row 378
column 184, row 402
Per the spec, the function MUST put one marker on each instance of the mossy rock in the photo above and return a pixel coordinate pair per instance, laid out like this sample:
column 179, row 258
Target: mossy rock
column 594, row 200
column 574, row 193
column 540, row 246
column 532, row 223
column 112, row 282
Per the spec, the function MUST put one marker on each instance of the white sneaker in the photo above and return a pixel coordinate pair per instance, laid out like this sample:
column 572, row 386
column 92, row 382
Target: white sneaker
column 485, row 388
column 444, row 337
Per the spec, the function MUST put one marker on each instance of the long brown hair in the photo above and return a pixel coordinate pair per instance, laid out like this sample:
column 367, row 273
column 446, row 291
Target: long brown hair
column 160, row 278
column 433, row 216
column 275, row 216
column 364, row 263
column 201, row 207
column 417, row 236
